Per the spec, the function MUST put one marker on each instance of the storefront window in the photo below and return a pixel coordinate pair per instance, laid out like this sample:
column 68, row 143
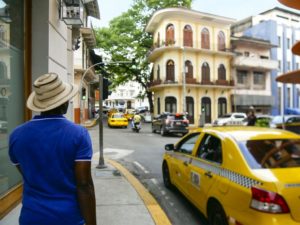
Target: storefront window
column 11, row 84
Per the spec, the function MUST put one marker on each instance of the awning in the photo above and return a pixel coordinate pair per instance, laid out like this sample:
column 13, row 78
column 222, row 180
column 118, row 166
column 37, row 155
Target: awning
column 291, row 3
column 296, row 48
column 92, row 8
column 292, row 111
column 292, row 77
column 258, row 100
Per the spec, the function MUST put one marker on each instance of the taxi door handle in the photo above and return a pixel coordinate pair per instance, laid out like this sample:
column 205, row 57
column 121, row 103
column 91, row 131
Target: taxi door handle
column 185, row 163
column 208, row 174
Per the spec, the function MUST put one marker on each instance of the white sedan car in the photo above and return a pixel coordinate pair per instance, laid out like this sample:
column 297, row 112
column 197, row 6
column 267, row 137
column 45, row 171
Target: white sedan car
column 235, row 118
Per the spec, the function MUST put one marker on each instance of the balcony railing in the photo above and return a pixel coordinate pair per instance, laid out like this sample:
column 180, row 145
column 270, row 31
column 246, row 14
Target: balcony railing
column 254, row 62
column 190, row 80
column 206, row 82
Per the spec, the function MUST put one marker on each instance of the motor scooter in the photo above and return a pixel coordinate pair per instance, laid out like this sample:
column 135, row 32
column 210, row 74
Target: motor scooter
column 135, row 126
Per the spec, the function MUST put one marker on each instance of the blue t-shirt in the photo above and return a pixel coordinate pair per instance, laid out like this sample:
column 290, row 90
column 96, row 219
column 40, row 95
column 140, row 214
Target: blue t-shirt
column 46, row 149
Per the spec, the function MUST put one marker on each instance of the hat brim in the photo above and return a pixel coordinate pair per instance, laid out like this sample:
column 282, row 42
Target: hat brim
column 62, row 98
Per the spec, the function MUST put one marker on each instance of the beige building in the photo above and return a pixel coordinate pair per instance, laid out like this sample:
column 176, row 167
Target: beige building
column 193, row 44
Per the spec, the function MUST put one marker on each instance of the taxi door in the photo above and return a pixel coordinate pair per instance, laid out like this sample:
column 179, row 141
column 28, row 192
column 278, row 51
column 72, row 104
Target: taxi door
column 204, row 169
column 181, row 159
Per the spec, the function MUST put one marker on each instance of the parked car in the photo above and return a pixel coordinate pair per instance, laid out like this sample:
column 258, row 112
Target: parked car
column 170, row 123
column 142, row 109
column 263, row 120
column 236, row 176
column 236, row 118
column 288, row 122
column 117, row 120
column 146, row 117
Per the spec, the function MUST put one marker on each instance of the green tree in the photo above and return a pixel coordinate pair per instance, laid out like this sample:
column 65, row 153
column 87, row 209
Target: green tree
column 125, row 39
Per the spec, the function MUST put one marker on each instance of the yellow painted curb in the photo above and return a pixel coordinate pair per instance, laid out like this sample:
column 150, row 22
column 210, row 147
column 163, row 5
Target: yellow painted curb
column 158, row 215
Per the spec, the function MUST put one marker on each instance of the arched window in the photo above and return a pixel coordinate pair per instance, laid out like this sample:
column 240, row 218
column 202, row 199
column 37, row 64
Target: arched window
column 222, row 106
column 171, row 104
column 221, row 41
column 170, row 71
column 188, row 69
column 190, row 109
column 205, row 72
column 152, row 74
column 170, row 36
column 3, row 71
column 221, row 72
column 205, row 39
column 188, row 36
column 158, row 73
column 206, row 105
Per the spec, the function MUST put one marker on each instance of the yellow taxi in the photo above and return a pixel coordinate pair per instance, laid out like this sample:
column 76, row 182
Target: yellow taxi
column 117, row 120
column 238, row 175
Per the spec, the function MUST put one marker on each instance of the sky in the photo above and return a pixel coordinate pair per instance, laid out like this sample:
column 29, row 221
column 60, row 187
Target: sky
column 236, row 9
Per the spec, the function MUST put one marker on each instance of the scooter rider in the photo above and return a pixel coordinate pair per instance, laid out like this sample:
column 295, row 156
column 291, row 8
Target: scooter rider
column 136, row 119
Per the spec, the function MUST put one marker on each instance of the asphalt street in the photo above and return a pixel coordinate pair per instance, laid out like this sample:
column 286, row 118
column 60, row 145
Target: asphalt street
column 141, row 153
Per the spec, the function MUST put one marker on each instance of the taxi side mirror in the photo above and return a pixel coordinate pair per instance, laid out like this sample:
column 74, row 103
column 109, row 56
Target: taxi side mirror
column 169, row 147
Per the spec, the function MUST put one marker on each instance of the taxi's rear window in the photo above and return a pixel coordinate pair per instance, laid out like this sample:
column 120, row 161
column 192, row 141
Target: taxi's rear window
column 118, row 116
column 275, row 153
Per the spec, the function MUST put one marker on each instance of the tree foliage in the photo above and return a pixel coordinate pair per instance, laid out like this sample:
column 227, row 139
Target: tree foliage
column 125, row 39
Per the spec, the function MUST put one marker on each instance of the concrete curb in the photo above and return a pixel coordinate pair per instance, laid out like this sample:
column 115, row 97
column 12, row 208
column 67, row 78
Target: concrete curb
column 158, row 215
column 91, row 124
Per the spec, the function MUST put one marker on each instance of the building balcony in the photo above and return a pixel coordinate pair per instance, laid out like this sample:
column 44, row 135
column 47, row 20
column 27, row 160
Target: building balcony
column 254, row 62
column 190, row 80
column 154, row 83
column 193, row 81
column 206, row 82
column 158, row 49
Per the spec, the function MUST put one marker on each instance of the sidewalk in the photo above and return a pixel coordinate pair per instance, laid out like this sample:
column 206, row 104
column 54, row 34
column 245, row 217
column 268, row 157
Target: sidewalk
column 120, row 199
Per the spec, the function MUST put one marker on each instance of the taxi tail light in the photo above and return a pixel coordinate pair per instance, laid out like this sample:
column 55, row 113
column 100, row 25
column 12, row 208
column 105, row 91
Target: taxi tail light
column 267, row 201
column 186, row 121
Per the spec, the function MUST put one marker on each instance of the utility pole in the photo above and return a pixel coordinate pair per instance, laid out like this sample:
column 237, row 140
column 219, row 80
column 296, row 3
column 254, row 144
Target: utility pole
column 183, row 83
column 101, row 164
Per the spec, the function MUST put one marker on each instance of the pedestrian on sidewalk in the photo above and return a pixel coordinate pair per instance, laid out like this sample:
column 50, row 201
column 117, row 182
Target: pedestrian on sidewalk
column 251, row 118
column 54, row 157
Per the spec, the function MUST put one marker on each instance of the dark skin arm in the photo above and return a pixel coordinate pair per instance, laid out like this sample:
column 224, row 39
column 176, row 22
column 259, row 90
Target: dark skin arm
column 85, row 192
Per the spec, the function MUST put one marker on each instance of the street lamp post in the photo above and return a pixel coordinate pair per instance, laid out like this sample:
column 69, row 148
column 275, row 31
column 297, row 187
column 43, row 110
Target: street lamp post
column 101, row 163
column 183, row 83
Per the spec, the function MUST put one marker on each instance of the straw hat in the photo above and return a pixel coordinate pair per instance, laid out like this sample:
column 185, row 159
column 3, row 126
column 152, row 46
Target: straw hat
column 49, row 92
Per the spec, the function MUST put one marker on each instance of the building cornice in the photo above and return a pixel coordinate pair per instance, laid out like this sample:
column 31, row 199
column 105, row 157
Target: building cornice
column 186, row 15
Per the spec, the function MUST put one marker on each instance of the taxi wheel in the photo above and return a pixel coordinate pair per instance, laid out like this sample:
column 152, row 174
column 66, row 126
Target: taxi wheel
column 166, row 176
column 216, row 214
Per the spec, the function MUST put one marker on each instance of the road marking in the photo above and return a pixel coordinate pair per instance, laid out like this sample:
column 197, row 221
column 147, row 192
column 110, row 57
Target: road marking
column 154, row 181
column 113, row 153
column 158, row 215
column 141, row 167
